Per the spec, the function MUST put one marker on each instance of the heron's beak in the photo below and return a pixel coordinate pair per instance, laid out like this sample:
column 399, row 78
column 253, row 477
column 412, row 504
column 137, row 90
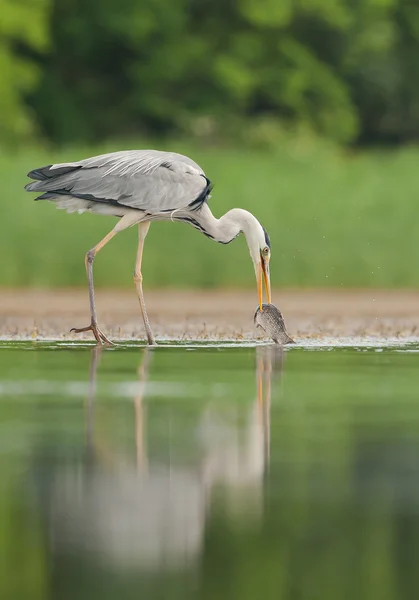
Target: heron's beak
column 263, row 271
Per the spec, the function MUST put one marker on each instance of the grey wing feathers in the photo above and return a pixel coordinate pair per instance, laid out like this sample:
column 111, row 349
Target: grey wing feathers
column 147, row 180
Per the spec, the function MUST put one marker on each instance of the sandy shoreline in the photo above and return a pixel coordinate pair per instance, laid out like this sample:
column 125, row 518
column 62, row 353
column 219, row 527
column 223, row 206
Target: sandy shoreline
column 209, row 314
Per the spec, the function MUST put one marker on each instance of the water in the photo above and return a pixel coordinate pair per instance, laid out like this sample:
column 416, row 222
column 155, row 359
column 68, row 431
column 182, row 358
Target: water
column 186, row 473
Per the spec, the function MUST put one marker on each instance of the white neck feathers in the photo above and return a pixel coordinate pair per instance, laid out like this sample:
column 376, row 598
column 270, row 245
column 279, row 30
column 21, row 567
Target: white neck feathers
column 227, row 227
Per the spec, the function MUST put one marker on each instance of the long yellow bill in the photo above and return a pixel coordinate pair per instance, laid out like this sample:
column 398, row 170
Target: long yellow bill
column 264, row 269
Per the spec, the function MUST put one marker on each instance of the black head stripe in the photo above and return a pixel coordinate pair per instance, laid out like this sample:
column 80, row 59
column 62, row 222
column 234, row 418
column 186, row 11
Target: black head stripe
column 267, row 240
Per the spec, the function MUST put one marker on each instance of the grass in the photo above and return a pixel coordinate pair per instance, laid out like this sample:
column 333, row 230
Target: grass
column 334, row 220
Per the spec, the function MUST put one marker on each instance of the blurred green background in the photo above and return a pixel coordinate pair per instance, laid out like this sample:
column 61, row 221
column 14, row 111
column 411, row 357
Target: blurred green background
column 305, row 113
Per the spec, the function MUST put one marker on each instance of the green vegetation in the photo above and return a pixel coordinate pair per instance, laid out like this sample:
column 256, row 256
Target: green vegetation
column 89, row 69
column 237, row 80
column 23, row 34
column 333, row 219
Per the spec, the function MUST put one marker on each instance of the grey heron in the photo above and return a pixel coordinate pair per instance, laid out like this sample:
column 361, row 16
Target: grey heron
column 140, row 186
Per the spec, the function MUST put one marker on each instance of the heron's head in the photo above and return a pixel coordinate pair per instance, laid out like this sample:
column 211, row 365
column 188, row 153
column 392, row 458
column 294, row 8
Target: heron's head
column 260, row 251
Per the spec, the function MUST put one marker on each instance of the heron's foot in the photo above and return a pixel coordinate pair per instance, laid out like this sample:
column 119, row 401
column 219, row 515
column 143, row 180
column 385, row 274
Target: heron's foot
column 99, row 335
column 150, row 339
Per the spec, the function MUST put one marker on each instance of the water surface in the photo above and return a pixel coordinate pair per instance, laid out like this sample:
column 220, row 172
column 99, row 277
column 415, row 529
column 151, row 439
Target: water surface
column 209, row 472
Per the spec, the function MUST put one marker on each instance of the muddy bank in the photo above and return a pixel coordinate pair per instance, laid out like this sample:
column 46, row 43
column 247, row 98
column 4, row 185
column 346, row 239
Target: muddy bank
column 210, row 314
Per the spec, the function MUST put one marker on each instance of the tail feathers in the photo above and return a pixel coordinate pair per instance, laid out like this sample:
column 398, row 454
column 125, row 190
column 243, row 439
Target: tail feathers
column 40, row 174
column 33, row 186
column 49, row 172
column 48, row 196
column 48, row 179
column 37, row 186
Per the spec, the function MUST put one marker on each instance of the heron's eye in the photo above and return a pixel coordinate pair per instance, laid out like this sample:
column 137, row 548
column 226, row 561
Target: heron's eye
column 265, row 251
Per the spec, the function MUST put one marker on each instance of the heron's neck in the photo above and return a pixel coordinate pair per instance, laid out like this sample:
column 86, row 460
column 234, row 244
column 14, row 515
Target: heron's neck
column 227, row 227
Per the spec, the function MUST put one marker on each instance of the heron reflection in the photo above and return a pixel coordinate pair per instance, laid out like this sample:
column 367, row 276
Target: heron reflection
column 148, row 510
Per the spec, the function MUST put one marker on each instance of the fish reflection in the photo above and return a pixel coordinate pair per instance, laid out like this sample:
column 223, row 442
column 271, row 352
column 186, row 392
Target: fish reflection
column 148, row 510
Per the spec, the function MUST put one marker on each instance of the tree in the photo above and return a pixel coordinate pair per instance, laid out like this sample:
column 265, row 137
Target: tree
column 23, row 34
column 347, row 70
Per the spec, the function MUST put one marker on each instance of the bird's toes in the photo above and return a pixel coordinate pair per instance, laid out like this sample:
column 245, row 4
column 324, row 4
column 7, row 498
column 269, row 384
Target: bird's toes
column 81, row 329
column 100, row 337
column 105, row 340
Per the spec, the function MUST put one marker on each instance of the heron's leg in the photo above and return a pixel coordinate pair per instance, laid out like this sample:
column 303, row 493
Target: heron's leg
column 90, row 256
column 143, row 228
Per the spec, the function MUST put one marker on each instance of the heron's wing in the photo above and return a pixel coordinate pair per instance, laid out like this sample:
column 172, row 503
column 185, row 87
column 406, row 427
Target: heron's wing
column 148, row 180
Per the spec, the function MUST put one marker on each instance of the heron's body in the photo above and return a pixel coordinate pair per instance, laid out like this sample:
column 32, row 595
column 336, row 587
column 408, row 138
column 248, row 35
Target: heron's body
column 140, row 186
column 148, row 183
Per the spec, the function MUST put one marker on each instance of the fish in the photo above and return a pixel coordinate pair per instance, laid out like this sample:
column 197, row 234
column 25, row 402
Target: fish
column 272, row 322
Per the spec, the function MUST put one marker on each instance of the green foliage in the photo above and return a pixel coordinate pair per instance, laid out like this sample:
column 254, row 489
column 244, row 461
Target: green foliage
column 334, row 220
column 349, row 71
column 23, row 32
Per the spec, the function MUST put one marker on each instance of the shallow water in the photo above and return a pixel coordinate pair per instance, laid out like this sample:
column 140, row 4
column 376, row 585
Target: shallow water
column 209, row 472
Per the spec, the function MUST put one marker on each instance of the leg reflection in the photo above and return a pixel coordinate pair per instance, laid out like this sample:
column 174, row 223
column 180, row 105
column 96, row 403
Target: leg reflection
column 98, row 449
column 90, row 407
column 140, row 413
column 269, row 366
